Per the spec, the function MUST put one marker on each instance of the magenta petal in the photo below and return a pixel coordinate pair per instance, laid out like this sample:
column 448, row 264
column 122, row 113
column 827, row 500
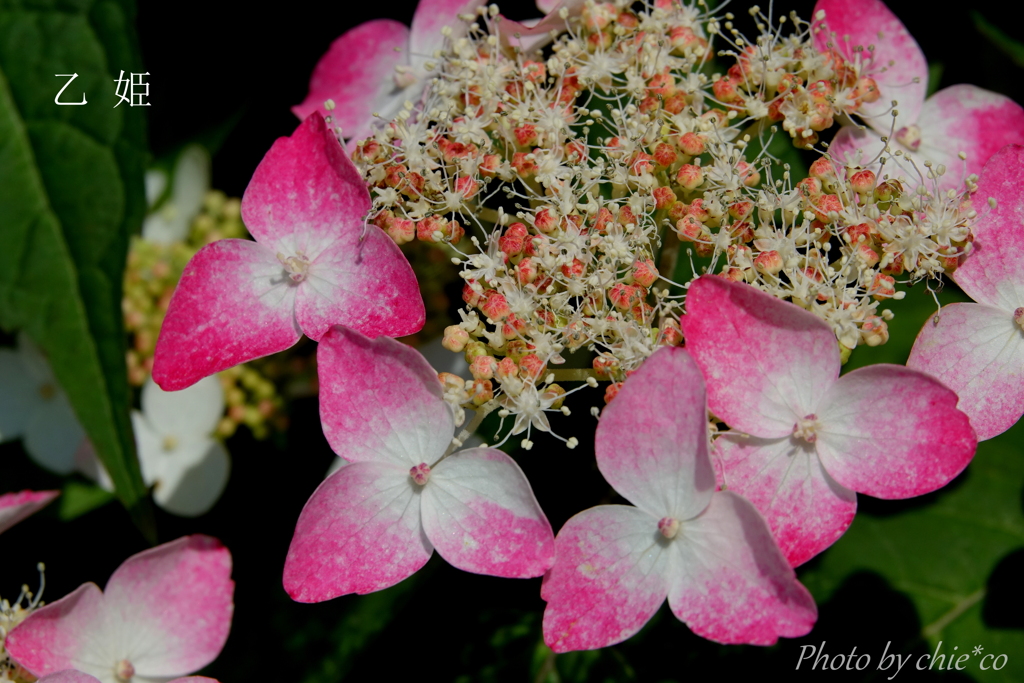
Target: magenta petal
column 357, row 72
column 381, row 401
column 730, row 582
column 15, row 507
column 766, row 362
column 609, row 578
column 978, row 352
column 966, row 118
column 896, row 62
column 806, row 509
column 61, row 635
column 359, row 532
column 234, row 303
column 892, row 432
column 173, row 605
column 652, row 440
column 480, row 513
column 364, row 282
column 994, row 272
column 305, row 194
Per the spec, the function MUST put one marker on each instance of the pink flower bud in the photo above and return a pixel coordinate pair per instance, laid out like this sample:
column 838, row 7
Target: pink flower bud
column 690, row 176
column 526, row 271
column 622, row 296
column 494, row 306
column 545, row 220
column 455, row 338
column 665, row 155
column 611, row 391
column 867, row 90
column 822, row 169
column 471, row 295
column 466, row 186
column 664, row 197
column 644, row 272
column 826, row 206
column 483, row 367
column 401, row 230
column 574, row 269
column 671, row 334
column 532, row 366
column 526, row 135
column 883, row 287
column 768, row 262
column 863, row 181
column 506, row 368
column 866, row 255
column 691, row 144
column 480, row 391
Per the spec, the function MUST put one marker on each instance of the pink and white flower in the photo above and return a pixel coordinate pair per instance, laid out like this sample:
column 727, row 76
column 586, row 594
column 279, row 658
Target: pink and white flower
column 15, row 507
column 377, row 66
column 377, row 520
column 709, row 552
column 315, row 263
column 804, row 439
column 165, row 613
column 977, row 350
column 960, row 118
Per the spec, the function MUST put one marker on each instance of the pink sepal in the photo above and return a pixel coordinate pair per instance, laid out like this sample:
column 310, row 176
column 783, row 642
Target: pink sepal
column 357, row 72
column 730, row 582
column 993, row 274
column 766, row 362
column 977, row 351
column 14, row 507
column 166, row 610
column 658, row 459
column 969, row 119
column 380, row 400
column 609, row 578
column 232, row 304
column 359, row 532
column 480, row 513
column 54, row 637
column 893, row 432
column 806, row 509
column 305, row 194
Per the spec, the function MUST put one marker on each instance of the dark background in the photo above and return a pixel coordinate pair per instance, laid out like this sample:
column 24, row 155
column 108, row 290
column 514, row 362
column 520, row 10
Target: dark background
column 229, row 71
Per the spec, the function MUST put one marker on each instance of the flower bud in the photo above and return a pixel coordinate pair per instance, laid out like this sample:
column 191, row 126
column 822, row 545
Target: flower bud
column 690, row 176
column 455, row 338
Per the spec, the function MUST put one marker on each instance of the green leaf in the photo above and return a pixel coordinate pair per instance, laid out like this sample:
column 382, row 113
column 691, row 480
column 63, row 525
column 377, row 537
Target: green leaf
column 78, row 498
column 941, row 554
column 72, row 195
column 1007, row 45
column 935, row 70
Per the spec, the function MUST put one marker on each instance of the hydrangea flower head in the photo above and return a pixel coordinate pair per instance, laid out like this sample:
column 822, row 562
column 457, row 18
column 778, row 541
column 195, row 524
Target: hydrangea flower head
column 377, row 520
column 375, row 67
column 314, row 263
column 15, row 507
column 165, row 613
column 804, row 439
column 709, row 552
column 960, row 118
column 977, row 350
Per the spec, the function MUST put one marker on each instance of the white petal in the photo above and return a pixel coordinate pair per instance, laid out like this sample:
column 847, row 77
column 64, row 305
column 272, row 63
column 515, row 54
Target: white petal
column 193, row 479
column 53, row 434
column 187, row 415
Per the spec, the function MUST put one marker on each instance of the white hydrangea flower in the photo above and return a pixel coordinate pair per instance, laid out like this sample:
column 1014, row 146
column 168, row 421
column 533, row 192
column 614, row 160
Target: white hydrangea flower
column 187, row 468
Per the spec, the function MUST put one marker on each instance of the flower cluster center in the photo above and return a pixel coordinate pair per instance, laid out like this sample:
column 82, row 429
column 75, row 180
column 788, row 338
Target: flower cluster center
column 807, row 428
column 420, row 473
column 669, row 527
column 297, row 266
column 124, row 671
